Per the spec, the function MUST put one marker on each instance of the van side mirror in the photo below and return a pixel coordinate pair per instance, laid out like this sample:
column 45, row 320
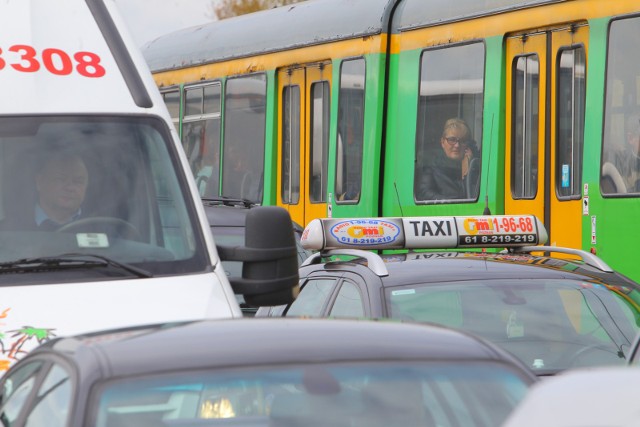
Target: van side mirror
column 269, row 256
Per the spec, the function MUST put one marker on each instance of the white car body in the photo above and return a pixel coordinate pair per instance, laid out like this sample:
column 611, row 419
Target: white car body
column 599, row 397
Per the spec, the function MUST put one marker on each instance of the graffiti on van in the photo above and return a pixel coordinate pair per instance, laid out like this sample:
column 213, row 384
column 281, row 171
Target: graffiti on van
column 13, row 342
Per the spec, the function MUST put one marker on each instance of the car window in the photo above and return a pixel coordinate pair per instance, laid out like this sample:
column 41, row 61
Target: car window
column 312, row 298
column 348, row 301
column 16, row 387
column 356, row 394
column 53, row 400
column 549, row 324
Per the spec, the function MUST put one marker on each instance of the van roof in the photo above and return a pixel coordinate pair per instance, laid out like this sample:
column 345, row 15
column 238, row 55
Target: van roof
column 69, row 57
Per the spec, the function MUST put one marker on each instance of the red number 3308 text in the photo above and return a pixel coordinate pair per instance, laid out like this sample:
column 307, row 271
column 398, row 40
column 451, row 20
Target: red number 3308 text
column 55, row 61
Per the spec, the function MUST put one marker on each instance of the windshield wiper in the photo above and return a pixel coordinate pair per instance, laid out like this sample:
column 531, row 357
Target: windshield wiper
column 228, row 201
column 69, row 261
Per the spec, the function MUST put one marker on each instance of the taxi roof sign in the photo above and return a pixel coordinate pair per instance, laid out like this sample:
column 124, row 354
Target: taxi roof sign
column 447, row 232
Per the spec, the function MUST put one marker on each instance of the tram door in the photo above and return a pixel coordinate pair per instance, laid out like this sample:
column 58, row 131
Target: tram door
column 303, row 135
column 546, row 88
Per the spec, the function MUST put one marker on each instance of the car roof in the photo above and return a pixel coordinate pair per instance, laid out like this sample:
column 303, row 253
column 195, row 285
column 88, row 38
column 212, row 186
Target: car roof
column 454, row 266
column 250, row 342
column 591, row 397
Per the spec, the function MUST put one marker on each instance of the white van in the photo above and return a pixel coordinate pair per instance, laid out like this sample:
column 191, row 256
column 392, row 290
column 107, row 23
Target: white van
column 101, row 224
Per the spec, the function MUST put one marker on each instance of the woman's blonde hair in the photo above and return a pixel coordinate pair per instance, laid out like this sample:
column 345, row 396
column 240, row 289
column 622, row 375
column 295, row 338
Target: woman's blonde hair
column 455, row 123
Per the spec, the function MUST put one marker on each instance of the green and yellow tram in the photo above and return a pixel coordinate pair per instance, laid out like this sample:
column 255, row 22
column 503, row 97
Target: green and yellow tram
column 338, row 109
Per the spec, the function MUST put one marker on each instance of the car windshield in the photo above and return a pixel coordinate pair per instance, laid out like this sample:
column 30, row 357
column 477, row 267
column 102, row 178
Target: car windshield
column 551, row 325
column 86, row 188
column 343, row 395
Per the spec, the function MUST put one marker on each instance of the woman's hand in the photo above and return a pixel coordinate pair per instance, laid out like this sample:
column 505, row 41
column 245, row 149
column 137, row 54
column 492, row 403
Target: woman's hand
column 468, row 155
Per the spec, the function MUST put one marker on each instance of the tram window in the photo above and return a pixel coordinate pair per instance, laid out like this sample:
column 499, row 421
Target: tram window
column 290, row 145
column 570, row 121
column 244, row 137
column 350, row 131
column 211, row 102
column 171, row 99
column 201, row 135
column 320, row 105
column 524, row 141
column 620, row 171
column 451, row 91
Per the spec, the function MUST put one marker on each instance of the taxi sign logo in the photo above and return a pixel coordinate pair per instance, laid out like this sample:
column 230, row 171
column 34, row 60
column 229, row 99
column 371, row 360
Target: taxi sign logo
column 475, row 226
column 365, row 232
column 360, row 231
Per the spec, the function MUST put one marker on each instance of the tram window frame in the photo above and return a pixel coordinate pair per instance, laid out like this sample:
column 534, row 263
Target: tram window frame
column 244, row 137
column 319, row 141
column 349, row 165
column 433, row 111
column 200, row 134
column 530, row 140
column 621, row 109
column 571, row 176
column 290, row 169
column 174, row 108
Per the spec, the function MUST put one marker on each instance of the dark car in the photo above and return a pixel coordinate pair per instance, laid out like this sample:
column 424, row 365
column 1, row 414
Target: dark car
column 556, row 311
column 265, row 372
column 227, row 218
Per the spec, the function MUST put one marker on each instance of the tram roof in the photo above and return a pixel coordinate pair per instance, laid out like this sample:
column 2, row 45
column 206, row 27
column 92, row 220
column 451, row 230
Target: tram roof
column 423, row 13
column 300, row 24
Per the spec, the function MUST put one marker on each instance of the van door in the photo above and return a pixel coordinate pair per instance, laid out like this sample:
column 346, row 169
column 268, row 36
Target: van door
column 545, row 129
column 303, row 132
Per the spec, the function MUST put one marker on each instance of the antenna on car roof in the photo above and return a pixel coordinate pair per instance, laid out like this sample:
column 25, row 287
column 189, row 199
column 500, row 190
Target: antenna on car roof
column 395, row 185
column 486, row 210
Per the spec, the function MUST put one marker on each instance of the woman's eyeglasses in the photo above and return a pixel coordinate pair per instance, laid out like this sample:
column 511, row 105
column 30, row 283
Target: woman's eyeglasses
column 453, row 140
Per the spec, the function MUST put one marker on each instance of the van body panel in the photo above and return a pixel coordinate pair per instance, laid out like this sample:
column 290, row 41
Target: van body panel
column 63, row 91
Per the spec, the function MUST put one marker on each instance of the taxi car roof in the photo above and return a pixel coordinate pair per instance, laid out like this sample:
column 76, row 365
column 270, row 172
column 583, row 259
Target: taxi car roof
column 232, row 343
column 454, row 266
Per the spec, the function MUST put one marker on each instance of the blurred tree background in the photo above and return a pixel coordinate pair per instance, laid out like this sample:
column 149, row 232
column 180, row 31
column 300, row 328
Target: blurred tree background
column 223, row 9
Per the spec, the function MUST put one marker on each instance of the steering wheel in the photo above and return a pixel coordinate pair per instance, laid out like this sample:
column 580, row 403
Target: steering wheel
column 122, row 227
column 612, row 174
column 589, row 349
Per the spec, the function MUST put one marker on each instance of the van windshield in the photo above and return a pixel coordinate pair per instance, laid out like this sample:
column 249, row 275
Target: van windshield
column 98, row 188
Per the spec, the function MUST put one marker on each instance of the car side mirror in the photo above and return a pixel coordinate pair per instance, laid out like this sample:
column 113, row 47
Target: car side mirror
column 269, row 256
